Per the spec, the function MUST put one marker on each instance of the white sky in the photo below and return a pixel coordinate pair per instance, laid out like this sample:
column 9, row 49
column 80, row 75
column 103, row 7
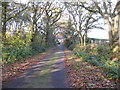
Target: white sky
column 100, row 34
column 24, row 1
column 96, row 33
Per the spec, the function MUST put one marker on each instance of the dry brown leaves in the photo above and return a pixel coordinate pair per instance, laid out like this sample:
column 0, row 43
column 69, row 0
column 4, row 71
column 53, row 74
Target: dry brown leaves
column 11, row 71
column 86, row 75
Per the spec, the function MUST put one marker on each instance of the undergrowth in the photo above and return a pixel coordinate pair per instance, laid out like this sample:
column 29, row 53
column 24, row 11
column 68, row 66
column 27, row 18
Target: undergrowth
column 18, row 47
column 101, row 56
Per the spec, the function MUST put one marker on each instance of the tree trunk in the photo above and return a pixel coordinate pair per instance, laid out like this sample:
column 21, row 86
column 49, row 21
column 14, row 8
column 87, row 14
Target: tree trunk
column 85, row 36
column 115, row 33
column 81, row 41
column 4, row 11
column 4, row 31
column 46, row 38
column 119, row 30
column 118, row 11
column 33, row 33
column 116, row 26
column 109, row 32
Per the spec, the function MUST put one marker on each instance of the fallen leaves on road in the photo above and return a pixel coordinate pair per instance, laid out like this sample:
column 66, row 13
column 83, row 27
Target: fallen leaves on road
column 10, row 71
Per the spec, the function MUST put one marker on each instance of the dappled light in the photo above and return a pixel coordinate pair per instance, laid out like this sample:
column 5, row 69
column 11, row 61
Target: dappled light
column 82, row 74
column 60, row 44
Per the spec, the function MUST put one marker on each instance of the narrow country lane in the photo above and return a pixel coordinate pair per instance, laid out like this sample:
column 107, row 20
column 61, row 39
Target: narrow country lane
column 47, row 73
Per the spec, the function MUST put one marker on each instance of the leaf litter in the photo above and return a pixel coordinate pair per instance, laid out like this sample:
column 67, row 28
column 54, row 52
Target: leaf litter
column 81, row 74
column 11, row 71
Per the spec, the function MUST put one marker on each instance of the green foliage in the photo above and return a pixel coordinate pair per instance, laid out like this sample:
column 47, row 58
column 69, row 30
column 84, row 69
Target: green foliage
column 76, row 68
column 100, row 56
column 82, row 54
column 38, row 49
column 69, row 43
column 19, row 46
column 37, row 46
column 71, row 47
column 69, row 35
column 12, row 54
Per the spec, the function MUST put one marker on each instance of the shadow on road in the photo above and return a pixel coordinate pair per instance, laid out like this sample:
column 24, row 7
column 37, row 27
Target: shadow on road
column 47, row 73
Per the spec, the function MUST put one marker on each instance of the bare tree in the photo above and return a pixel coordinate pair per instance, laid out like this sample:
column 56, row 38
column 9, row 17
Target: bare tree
column 111, row 17
column 83, row 20
column 51, row 16
column 38, row 11
column 9, row 11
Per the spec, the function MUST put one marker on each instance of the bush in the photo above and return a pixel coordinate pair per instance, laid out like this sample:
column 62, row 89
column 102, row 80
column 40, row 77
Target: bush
column 100, row 56
column 38, row 49
column 12, row 54
column 19, row 47
column 71, row 47
column 82, row 55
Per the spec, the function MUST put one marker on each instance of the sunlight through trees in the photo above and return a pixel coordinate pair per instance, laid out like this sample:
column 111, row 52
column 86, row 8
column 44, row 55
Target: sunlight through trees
column 34, row 27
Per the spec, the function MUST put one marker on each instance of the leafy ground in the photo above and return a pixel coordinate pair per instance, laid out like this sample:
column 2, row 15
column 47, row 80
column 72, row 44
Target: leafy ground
column 80, row 74
column 11, row 71
column 83, row 75
column 40, row 71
